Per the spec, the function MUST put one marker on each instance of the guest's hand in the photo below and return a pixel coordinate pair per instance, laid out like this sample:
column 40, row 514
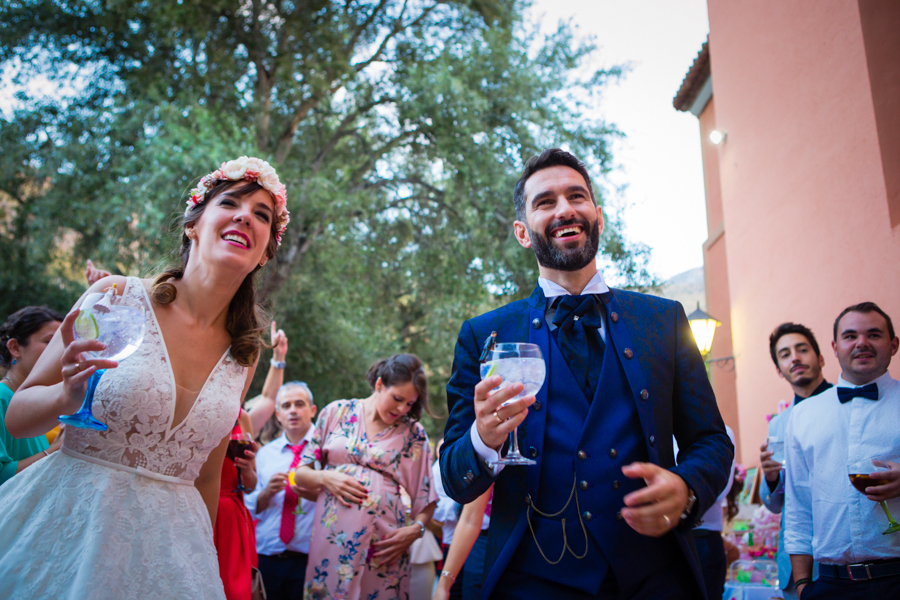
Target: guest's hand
column 279, row 343
column 250, row 461
column 57, row 441
column 392, row 546
column 345, row 488
column 93, row 274
column 493, row 423
column 771, row 468
column 891, row 489
column 76, row 370
column 656, row 509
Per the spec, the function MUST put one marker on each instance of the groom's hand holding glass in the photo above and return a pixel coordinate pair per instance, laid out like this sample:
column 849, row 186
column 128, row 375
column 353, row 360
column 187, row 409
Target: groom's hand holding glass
column 494, row 424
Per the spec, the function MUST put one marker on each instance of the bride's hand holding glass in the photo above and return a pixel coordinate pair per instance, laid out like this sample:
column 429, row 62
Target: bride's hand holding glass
column 76, row 367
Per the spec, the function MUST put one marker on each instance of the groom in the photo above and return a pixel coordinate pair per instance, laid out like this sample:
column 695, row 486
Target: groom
column 605, row 512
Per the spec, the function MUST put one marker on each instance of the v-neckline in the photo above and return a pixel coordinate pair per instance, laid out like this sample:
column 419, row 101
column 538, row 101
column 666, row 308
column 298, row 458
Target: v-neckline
column 171, row 427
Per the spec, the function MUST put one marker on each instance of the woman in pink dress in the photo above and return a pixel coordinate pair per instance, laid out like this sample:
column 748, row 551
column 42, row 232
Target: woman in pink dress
column 368, row 450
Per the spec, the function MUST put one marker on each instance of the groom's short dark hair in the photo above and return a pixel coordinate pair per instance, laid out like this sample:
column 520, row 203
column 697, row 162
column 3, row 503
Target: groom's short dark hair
column 551, row 157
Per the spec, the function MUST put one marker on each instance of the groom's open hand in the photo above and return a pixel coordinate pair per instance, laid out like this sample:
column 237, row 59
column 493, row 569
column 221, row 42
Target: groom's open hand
column 494, row 423
column 656, row 509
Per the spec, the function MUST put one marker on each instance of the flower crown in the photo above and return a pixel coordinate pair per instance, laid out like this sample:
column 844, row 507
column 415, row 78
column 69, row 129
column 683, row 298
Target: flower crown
column 250, row 169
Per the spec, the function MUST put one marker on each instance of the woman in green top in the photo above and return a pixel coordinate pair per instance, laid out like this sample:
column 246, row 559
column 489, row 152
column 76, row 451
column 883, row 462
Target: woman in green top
column 23, row 338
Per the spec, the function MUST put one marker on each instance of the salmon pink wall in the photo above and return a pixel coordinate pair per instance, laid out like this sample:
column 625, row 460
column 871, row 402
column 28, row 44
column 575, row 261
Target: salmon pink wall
column 804, row 201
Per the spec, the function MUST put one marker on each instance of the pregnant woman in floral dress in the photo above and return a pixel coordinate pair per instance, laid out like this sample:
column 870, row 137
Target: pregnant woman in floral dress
column 368, row 450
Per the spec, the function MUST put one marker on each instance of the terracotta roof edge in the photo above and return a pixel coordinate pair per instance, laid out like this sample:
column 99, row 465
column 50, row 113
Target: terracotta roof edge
column 694, row 79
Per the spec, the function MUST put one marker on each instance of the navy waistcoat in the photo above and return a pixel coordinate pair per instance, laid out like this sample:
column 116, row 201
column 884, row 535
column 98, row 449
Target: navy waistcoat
column 607, row 433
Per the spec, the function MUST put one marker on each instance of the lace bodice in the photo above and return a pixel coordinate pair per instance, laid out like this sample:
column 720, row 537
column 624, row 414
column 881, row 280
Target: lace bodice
column 137, row 401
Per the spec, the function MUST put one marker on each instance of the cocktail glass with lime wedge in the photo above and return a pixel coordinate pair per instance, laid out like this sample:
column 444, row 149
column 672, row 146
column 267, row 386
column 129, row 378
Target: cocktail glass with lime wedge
column 121, row 327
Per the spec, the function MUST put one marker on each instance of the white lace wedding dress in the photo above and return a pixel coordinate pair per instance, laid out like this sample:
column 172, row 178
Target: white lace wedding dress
column 115, row 514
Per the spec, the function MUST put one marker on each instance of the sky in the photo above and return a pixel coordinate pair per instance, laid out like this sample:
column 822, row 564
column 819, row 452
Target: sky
column 659, row 159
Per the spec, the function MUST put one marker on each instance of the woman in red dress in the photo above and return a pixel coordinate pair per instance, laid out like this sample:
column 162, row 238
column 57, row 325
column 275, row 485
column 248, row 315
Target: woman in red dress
column 235, row 537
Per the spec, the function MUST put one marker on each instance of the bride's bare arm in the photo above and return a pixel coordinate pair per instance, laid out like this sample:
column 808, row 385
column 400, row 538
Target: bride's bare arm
column 210, row 479
column 58, row 382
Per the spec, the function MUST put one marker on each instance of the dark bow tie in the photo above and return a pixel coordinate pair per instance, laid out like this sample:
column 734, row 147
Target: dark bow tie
column 574, row 308
column 846, row 394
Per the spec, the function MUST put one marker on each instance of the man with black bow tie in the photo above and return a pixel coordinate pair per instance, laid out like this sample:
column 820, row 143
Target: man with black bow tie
column 826, row 519
column 604, row 513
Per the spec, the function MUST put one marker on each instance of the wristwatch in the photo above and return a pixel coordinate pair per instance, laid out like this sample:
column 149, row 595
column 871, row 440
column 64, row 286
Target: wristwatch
column 692, row 499
column 421, row 527
column 278, row 364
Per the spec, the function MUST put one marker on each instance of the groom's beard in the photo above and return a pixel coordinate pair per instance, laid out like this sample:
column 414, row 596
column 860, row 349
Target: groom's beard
column 558, row 258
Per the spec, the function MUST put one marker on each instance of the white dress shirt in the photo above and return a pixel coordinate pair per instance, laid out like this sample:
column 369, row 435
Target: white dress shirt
column 552, row 290
column 714, row 518
column 824, row 514
column 447, row 509
column 276, row 457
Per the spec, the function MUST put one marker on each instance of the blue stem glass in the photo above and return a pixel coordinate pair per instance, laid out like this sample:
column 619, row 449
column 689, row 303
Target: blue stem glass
column 84, row 418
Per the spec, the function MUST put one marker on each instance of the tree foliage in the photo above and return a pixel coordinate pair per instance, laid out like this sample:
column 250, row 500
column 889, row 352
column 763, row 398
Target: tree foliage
column 398, row 126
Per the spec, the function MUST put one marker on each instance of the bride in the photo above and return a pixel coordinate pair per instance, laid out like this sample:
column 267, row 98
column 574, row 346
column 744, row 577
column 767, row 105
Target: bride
column 128, row 513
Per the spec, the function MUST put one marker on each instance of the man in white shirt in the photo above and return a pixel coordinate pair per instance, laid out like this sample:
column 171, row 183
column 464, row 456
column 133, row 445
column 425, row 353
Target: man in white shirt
column 826, row 519
column 285, row 519
column 798, row 361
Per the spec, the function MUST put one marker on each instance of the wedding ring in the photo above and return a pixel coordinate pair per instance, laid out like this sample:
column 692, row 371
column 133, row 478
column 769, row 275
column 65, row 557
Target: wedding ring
column 499, row 418
column 668, row 520
column 81, row 366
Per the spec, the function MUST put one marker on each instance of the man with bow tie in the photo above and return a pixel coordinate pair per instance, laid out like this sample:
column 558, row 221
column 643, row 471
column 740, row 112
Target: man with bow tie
column 826, row 519
column 604, row 513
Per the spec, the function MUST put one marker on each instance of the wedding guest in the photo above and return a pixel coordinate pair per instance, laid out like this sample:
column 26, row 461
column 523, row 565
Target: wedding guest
column 368, row 450
column 826, row 518
column 285, row 519
column 234, row 532
column 708, row 538
column 469, row 531
column 798, row 361
column 23, row 337
column 139, row 500
column 447, row 513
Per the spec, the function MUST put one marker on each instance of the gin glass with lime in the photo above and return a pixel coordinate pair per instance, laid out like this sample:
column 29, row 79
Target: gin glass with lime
column 103, row 317
column 515, row 363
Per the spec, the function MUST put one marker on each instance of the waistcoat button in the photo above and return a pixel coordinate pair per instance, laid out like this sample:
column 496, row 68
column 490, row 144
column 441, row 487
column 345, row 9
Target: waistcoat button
column 615, row 485
column 613, row 453
column 582, row 454
column 652, row 439
column 614, row 316
column 584, row 485
column 536, row 406
column 628, row 353
column 644, row 394
column 587, row 515
column 536, row 323
column 532, row 452
column 619, row 516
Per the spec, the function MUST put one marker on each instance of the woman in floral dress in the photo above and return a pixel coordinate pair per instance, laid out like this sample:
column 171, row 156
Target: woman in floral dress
column 368, row 450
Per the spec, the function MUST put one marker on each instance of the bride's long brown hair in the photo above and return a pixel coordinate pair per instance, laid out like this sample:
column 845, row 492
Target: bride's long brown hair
column 246, row 320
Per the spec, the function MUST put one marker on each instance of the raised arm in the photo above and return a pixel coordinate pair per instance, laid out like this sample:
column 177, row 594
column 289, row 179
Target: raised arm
column 464, row 537
column 264, row 408
column 58, row 382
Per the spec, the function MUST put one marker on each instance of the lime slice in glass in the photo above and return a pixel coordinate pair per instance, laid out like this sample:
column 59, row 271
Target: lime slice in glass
column 86, row 326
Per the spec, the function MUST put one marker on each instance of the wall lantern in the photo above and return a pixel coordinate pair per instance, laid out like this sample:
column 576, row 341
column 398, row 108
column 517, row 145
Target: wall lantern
column 703, row 327
column 717, row 137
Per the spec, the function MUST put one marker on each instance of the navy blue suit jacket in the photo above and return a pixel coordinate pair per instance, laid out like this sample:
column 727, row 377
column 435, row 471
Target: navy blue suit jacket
column 666, row 368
